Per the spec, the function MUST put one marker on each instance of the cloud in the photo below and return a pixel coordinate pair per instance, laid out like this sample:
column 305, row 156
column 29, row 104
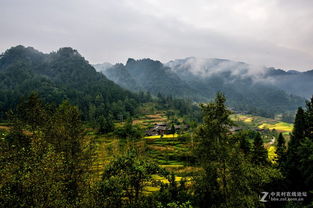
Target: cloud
column 273, row 33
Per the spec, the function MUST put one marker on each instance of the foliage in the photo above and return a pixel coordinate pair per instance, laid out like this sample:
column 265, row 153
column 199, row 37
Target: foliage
column 106, row 125
column 44, row 160
column 60, row 75
column 228, row 174
column 299, row 164
column 281, row 150
column 129, row 131
column 124, row 179
column 259, row 153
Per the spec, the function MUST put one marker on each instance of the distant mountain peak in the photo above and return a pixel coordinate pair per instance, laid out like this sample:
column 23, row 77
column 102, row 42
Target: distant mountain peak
column 68, row 52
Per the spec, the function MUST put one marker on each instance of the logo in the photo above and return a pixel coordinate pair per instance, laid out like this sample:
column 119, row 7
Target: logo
column 282, row 196
column 263, row 198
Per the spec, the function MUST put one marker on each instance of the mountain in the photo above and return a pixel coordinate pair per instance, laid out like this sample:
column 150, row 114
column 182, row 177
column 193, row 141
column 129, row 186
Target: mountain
column 60, row 75
column 102, row 67
column 248, row 88
column 119, row 74
column 294, row 82
column 152, row 76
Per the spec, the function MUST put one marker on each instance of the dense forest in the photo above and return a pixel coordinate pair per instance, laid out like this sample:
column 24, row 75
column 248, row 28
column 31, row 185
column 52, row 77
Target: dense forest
column 69, row 137
column 66, row 75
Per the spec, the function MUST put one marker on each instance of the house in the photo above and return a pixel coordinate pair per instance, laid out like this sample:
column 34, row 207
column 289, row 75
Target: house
column 163, row 128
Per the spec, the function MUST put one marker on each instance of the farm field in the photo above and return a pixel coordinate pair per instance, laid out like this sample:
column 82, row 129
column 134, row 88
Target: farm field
column 258, row 122
column 171, row 151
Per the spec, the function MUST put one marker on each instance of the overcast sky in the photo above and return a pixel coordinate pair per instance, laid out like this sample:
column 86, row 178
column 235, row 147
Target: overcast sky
column 275, row 33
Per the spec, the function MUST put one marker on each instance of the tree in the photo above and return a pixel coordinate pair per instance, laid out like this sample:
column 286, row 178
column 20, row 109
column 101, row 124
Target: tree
column 173, row 130
column 305, row 151
column 299, row 154
column 228, row 174
column 243, row 137
column 65, row 131
column 129, row 131
column 106, row 125
column 173, row 193
column 31, row 169
column 123, row 180
column 46, row 158
column 281, row 150
column 259, row 153
column 309, row 119
column 294, row 176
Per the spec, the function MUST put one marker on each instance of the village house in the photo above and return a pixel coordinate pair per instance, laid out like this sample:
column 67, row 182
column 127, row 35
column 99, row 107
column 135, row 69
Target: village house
column 163, row 128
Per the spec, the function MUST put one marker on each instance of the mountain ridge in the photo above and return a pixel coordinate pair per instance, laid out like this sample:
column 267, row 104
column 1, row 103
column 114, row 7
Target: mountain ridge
column 246, row 89
column 58, row 76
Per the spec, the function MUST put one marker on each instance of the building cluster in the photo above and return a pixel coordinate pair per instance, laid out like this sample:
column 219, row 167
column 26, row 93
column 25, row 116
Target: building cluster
column 164, row 128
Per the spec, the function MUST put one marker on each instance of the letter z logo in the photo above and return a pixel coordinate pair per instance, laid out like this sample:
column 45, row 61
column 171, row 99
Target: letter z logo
column 263, row 198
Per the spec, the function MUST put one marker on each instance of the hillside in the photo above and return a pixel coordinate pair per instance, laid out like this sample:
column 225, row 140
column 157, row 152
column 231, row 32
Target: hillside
column 246, row 87
column 249, row 90
column 119, row 74
column 294, row 82
column 152, row 76
column 60, row 75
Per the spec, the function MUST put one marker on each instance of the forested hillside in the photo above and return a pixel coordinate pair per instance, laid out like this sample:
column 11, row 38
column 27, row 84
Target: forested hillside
column 152, row 76
column 246, row 88
column 201, row 80
column 60, row 75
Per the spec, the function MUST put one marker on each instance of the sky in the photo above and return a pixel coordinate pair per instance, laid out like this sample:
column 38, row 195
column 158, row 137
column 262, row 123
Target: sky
column 276, row 33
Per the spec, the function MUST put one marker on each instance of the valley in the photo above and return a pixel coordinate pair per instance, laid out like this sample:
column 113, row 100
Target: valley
column 155, row 133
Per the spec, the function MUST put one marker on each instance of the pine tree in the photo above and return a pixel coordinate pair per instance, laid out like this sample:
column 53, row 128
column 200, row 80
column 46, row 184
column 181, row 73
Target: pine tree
column 259, row 154
column 309, row 119
column 227, row 173
column 294, row 176
column 281, row 150
column 211, row 151
column 173, row 130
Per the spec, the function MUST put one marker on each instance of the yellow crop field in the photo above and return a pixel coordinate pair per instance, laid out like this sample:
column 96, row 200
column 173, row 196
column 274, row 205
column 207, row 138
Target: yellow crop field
column 164, row 136
column 248, row 120
column 177, row 178
column 281, row 126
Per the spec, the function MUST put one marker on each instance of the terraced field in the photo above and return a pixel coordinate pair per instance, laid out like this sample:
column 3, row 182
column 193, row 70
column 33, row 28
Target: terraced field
column 171, row 151
column 258, row 122
column 280, row 126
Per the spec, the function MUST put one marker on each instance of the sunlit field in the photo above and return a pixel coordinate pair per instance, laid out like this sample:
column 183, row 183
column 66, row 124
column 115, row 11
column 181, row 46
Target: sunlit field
column 281, row 126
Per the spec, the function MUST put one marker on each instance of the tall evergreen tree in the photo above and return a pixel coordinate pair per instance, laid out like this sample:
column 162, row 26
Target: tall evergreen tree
column 309, row 119
column 228, row 174
column 281, row 150
column 293, row 174
column 259, row 154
